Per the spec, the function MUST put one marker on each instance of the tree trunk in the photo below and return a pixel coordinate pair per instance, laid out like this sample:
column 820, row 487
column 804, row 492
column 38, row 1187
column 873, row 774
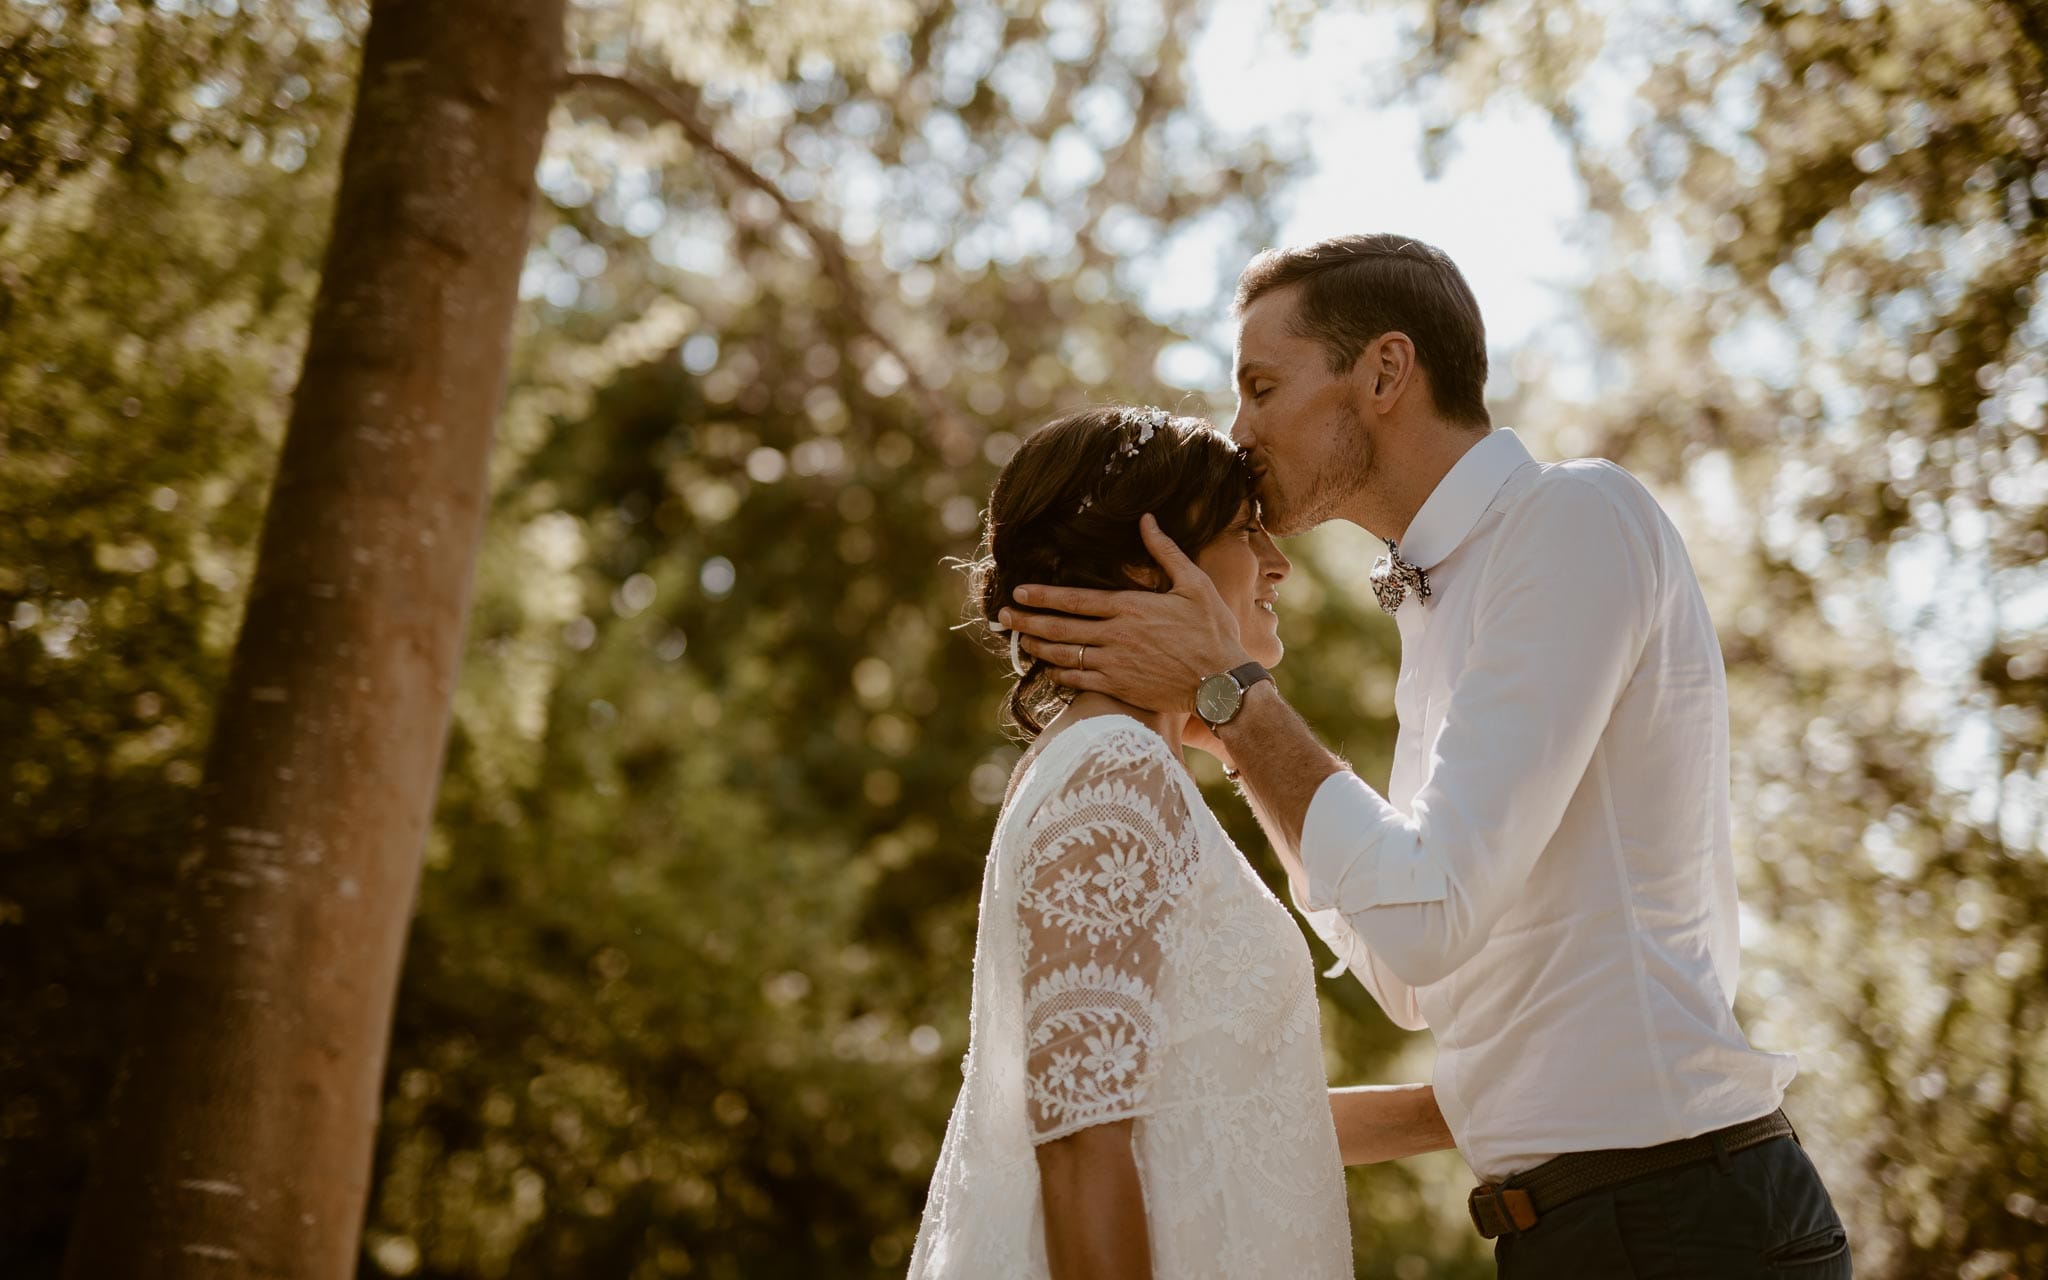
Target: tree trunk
column 239, row 1138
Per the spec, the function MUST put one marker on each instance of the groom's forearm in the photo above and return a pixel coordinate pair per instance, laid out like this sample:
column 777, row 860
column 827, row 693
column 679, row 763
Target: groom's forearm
column 1387, row 1122
column 1280, row 765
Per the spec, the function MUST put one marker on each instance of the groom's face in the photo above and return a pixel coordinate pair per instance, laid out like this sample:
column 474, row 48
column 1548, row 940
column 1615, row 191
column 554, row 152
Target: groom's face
column 1299, row 423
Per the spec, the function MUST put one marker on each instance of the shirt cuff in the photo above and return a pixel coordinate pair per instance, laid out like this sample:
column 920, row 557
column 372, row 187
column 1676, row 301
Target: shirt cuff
column 1360, row 852
column 1327, row 925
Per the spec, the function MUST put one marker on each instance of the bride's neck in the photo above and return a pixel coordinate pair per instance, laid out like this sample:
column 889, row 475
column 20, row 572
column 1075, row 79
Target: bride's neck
column 1167, row 725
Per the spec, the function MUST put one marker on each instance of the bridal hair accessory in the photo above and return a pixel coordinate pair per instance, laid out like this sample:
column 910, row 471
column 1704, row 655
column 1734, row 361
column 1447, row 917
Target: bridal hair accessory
column 1142, row 425
column 1016, row 653
column 1393, row 578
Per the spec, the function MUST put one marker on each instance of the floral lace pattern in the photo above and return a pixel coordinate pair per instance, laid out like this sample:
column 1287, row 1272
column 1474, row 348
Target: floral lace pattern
column 1131, row 965
column 1105, row 859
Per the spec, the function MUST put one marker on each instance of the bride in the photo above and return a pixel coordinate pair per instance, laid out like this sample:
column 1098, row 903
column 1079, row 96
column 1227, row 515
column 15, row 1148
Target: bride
column 1144, row 1091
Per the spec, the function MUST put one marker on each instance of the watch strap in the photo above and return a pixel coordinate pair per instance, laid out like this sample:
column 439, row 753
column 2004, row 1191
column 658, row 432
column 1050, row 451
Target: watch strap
column 1248, row 675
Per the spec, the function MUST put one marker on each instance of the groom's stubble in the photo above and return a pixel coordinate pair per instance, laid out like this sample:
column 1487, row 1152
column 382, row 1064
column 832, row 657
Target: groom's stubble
column 1333, row 490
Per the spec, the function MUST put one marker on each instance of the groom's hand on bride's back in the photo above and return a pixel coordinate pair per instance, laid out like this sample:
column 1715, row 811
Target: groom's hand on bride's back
column 1147, row 648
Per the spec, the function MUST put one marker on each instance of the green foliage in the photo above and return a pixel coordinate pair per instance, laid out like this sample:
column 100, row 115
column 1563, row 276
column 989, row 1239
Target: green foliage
column 704, row 895
column 1826, row 226
column 149, row 331
column 689, row 979
column 688, row 984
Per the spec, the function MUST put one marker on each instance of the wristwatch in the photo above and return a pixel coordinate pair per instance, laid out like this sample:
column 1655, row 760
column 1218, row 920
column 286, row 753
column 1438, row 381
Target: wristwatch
column 1218, row 697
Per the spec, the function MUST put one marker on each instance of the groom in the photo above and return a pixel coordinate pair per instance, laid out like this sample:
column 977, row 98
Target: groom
column 1548, row 884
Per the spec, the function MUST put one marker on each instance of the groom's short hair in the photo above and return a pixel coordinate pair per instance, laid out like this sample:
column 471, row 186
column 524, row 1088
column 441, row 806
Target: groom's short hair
column 1355, row 288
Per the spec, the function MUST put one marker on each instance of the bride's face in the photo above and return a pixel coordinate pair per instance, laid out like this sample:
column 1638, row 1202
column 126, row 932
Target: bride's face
column 1248, row 570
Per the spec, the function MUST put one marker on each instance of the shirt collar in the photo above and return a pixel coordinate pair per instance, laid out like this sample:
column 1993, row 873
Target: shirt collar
column 1461, row 497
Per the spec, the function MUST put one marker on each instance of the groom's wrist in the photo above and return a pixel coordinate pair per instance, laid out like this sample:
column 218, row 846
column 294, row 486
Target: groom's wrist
column 1260, row 700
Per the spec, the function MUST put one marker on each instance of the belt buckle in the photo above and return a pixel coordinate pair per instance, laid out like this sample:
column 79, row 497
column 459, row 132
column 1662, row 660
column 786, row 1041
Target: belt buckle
column 1499, row 1211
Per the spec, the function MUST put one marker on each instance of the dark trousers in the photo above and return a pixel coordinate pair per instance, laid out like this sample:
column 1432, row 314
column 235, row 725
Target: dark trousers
column 1757, row 1213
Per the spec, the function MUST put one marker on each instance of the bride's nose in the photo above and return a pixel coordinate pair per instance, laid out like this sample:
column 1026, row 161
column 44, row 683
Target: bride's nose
column 1273, row 563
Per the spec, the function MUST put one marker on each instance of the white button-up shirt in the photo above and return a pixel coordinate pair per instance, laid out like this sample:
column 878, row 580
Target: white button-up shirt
column 1548, row 885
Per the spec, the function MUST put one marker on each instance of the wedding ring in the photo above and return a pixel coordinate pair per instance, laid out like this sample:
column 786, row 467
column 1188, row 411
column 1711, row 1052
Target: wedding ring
column 1081, row 658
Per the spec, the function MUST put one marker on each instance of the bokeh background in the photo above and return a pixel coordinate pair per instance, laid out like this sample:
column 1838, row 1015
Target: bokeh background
column 687, row 990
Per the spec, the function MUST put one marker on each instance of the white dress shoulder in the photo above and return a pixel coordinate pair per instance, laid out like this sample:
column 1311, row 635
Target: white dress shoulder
column 1129, row 964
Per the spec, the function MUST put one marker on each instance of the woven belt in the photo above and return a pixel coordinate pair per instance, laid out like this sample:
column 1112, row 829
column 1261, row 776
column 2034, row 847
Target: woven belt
column 1504, row 1208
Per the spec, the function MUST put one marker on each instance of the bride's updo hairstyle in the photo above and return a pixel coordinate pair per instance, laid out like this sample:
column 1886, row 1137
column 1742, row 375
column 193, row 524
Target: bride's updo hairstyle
column 1065, row 510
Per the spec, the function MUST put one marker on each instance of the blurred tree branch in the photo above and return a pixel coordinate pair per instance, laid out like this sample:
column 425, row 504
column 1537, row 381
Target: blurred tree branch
column 954, row 442
column 2031, row 16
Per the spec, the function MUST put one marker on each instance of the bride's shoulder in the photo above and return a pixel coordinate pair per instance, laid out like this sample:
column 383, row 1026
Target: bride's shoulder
column 1114, row 736
column 1105, row 743
column 1101, row 759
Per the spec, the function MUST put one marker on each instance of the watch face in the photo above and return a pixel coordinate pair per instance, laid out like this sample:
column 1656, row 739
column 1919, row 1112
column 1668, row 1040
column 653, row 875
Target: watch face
column 1216, row 698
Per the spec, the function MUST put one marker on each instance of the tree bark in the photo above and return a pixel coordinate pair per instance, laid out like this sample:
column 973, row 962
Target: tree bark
column 239, row 1138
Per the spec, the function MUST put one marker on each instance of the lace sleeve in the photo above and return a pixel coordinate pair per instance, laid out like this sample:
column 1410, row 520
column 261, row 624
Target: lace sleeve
column 1108, row 856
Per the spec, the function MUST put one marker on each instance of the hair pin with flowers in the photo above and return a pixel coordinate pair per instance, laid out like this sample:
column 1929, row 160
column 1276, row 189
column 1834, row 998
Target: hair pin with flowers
column 1140, row 426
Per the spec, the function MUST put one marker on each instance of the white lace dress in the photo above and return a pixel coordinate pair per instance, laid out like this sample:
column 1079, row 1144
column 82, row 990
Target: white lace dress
column 1131, row 964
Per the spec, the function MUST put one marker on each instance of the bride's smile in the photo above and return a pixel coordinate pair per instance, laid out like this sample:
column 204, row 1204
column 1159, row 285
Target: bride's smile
column 1248, row 568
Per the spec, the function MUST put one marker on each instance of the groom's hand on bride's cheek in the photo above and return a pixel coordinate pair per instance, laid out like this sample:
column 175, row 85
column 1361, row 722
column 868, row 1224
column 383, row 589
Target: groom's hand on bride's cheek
column 1147, row 648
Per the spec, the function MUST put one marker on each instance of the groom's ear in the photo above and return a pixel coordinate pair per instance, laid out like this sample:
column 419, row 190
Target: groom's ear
column 1386, row 366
